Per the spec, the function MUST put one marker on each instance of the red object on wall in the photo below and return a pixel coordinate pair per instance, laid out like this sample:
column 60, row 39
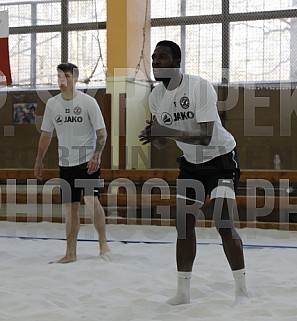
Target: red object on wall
column 5, row 73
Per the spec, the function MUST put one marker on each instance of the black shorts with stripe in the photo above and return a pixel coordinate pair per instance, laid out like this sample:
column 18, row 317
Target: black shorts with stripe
column 75, row 181
column 221, row 170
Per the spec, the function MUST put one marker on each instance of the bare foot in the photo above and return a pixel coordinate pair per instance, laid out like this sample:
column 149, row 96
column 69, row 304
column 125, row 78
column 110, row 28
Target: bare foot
column 104, row 252
column 66, row 259
column 104, row 248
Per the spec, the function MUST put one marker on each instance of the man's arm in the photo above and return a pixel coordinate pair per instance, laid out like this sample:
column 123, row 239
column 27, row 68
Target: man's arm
column 145, row 136
column 44, row 142
column 155, row 132
column 94, row 163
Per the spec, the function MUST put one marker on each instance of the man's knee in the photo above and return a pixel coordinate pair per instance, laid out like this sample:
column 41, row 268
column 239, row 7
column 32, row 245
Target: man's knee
column 185, row 227
column 224, row 210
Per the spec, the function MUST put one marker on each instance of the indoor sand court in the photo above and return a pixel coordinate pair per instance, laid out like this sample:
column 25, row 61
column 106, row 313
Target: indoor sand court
column 141, row 276
column 247, row 50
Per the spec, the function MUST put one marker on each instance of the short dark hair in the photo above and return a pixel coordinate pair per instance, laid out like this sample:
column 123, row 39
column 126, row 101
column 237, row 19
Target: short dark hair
column 175, row 48
column 68, row 66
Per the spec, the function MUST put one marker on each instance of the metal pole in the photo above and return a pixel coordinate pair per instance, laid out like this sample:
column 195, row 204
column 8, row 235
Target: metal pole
column 33, row 46
column 225, row 41
column 183, row 7
column 64, row 30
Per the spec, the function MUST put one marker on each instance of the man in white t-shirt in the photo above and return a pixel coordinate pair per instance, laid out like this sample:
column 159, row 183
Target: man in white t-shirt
column 80, row 128
column 184, row 109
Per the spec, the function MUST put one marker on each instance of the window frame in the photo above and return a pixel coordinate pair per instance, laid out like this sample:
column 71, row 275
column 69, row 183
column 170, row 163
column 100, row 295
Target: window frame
column 225, row 19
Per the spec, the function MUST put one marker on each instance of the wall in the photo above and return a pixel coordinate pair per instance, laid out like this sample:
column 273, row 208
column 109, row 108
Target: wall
column 263, row 122
column 18, row 142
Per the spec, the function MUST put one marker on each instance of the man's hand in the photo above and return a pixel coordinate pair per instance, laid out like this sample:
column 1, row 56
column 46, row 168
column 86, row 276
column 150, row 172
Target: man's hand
column 152, row 133
column 145, row 135
column 38, row 167
column 94, row 164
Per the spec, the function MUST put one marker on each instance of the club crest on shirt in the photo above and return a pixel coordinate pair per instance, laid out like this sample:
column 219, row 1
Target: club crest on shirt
column 77, row 110
column 184, row 102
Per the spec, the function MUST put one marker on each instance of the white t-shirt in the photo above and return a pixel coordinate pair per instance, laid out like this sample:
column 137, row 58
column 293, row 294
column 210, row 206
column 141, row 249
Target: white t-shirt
column 194, row 101
column 75, row 122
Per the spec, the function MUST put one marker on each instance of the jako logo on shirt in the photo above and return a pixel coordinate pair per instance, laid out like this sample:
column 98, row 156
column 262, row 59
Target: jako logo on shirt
column 73, row 119
column 184, row 115
column 68, row 119
column 59, row 119
column 167, row 118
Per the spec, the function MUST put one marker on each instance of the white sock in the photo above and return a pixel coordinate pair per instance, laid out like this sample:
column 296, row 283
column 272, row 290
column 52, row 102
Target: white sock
column 241, row 293
column 183, row 289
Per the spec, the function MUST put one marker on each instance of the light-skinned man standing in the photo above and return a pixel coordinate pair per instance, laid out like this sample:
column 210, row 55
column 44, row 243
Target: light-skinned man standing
column 81, row 133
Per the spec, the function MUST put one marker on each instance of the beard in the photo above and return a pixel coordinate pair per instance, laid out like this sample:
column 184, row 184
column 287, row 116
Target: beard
column 164, row 74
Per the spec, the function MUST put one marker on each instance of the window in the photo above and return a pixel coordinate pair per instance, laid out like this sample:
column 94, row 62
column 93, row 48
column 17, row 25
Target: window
column 242, row 41
column 261, row 50
column 261, row 5
column 176, row 8
column 231, row 40
column 40, row 38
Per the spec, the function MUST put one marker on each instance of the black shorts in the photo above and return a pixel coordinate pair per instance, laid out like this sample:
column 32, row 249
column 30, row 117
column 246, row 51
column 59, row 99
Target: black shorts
column 220, row 171
column 75, row 181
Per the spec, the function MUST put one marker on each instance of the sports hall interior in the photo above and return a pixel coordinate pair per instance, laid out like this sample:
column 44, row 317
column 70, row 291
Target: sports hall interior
column 260, row 113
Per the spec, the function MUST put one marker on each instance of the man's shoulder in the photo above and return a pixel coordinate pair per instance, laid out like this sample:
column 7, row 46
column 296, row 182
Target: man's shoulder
column 199, row 83
column 158, row 88
column 52, row 100
column 85, row 97
column 197, row 78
